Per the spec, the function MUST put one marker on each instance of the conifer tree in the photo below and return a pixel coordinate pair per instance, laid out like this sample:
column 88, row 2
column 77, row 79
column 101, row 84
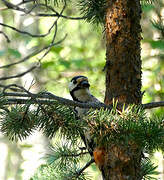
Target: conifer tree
column 120, row 128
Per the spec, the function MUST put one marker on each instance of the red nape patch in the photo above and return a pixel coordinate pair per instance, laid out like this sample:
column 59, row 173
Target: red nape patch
column 99, row 156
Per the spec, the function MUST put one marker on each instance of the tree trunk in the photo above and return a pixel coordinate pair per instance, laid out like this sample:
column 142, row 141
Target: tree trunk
column 123, row 62
column 123, row 81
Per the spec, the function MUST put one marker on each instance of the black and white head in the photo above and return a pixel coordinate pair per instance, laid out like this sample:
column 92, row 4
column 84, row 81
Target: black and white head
column 79, row 89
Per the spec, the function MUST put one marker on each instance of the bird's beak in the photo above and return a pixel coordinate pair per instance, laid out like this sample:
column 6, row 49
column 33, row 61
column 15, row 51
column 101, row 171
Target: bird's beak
column 84, row 84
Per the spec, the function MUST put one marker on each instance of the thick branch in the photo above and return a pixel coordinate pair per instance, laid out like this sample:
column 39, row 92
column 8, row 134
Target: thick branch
column 49, row 97
column 25, row 101
column 153, row 105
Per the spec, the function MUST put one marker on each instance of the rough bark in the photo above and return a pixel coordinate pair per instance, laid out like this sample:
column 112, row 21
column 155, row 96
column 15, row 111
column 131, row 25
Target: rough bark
column 123, row 62
column 122, row 163
column 123, row 81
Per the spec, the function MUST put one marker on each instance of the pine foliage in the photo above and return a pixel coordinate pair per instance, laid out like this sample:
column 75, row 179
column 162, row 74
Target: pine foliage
column 93, row 10
column 159, row 26
column 56, row 116
column 131, row 126
column 148, row 169
column 145, row 2
column 64, row 161
column 17, row 122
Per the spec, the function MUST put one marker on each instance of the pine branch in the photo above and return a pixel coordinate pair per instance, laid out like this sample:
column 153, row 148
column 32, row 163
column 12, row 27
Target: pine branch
column 12, row 101
column 130, row 126
column 147, row 2
column 65, row 152
column 68, row 102
column 65, row 157
column 159, row 25
column 12, row 89
column 153, row 105
column 93, row 10
column 50, row 96
column 148, row 169
column 83, row 169
column 18, row 122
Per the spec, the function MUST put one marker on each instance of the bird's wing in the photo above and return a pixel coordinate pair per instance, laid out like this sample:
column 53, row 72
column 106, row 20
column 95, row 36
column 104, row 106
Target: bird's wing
column 94, row 99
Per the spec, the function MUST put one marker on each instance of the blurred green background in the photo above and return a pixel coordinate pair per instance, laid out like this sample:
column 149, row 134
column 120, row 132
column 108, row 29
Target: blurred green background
column 82, row 52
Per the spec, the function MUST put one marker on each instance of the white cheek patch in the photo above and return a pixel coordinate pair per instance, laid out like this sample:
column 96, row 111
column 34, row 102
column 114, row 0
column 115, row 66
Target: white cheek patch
column 71, row 86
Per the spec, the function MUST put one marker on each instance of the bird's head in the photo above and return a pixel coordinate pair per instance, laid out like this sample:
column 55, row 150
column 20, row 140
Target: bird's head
column 79, row 88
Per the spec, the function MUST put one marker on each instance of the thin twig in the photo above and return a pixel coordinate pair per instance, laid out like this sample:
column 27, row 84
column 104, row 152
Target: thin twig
column 75, row 155
column 33, row 53
column 55, row 33
column 24, row 2
column 18, row 75
column 13, row 6
column 78, row 173
column 7, row 38
column 13, row 89
column 55, row 13
column 27, row 33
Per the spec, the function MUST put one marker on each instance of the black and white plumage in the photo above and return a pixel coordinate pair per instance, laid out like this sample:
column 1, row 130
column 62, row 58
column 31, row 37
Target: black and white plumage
column 79, row 90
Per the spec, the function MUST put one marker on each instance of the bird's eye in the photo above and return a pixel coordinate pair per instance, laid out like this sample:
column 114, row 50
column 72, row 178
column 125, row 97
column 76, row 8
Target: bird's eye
column 74, row 81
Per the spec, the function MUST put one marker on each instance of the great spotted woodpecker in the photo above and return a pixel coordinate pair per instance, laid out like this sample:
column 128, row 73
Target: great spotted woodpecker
column 79, row 90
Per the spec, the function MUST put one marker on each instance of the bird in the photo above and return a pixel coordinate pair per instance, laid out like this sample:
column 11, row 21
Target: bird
column 79, row 90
